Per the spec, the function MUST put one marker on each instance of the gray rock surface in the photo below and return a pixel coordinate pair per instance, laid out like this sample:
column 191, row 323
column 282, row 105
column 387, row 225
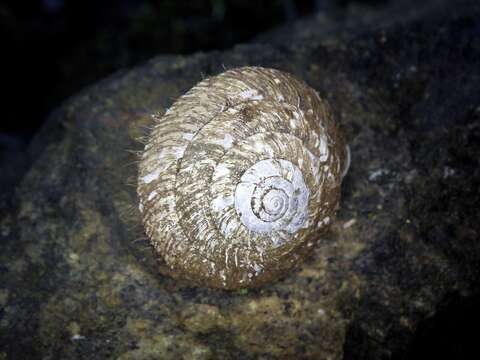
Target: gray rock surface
column 78, row 281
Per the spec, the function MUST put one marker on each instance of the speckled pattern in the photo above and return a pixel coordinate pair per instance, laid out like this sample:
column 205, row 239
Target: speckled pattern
column 239, row 176
column 78, row 279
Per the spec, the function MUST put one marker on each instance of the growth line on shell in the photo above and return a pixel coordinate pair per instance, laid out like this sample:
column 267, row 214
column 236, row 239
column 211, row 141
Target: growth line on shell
column 256, row 134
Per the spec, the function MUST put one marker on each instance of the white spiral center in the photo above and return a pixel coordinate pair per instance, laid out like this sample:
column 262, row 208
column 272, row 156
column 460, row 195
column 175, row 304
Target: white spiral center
column 272, row 196
column 275, row 202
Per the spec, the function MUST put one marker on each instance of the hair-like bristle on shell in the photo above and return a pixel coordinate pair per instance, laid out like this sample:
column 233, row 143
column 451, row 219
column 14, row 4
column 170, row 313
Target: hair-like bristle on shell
column 240, row 177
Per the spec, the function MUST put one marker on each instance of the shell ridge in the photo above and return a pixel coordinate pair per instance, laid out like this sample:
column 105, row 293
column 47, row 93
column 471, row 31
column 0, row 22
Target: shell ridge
column 233, row 174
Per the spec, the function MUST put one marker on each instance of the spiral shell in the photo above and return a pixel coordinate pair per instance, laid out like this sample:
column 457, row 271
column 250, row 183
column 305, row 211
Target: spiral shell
column 240, row 177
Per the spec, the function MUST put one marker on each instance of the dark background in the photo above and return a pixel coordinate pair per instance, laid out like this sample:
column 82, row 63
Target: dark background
column 53, row 48
column 50, row 49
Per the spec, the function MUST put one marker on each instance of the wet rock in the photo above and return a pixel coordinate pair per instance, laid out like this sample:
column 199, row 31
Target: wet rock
column 77, row 279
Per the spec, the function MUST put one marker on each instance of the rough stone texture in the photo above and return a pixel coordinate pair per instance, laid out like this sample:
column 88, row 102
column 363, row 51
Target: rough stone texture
column 77, row 280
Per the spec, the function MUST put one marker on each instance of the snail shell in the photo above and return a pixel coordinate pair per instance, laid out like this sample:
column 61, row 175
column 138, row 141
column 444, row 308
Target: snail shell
column 240, row 177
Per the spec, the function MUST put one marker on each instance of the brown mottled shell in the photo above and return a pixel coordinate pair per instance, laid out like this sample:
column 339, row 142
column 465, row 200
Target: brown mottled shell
column 240, row 177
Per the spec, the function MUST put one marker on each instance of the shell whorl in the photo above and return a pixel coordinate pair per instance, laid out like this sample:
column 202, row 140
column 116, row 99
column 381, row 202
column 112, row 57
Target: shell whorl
column 240, row 176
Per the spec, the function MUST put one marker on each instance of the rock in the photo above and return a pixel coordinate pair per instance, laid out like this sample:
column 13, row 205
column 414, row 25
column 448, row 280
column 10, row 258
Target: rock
column 77, row 279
